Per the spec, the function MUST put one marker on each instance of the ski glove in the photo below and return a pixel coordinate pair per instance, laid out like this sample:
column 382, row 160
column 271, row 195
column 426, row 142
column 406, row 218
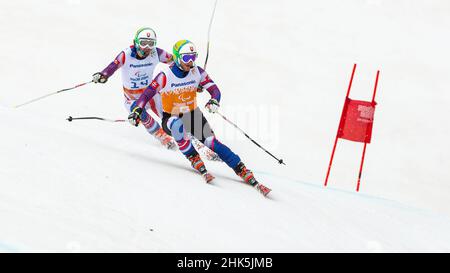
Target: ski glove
column 212, row 106
column 99, row 78
column 135, row 117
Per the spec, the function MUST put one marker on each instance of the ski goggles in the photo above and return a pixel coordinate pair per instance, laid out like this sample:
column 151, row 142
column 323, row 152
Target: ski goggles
column 188, row 57
column 147, row 43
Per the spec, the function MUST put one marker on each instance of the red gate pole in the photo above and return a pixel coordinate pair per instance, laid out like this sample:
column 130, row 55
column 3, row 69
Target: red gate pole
column 361, row 167
column 331, row 161
column 365, row 144
column 335, row 141
column 376, row 85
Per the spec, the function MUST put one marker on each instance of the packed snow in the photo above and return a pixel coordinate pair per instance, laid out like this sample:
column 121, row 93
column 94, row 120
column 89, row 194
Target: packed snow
column 283, row 69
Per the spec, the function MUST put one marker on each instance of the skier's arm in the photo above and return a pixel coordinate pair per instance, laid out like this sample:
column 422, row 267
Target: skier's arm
column 207, row 83
column 155, row 86
column 102, row 77
column 164, row 56
column 114, row 65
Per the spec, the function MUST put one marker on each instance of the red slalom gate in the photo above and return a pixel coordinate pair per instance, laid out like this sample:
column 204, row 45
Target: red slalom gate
column 356, row 123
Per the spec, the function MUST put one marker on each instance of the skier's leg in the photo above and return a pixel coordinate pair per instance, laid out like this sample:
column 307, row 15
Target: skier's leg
column 234, row 162
column 152, row 126
column 156, row 105
column 194, row 131
column 199, row 127
column 206, row 135
column 174, row 126
column 149, row 123
column 225, row 153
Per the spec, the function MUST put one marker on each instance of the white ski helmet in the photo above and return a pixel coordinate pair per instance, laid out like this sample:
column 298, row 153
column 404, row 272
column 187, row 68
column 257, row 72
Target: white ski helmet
column 145, row 38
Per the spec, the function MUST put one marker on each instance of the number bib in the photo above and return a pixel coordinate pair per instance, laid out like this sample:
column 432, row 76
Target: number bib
column 179, row 94
column 137, row 74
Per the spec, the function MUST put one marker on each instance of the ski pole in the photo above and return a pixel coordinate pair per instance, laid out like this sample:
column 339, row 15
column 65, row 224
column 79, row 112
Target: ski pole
column 51, row 94
column 257, row 144
column 209, row 32
column 97, row 118
column 199, row 88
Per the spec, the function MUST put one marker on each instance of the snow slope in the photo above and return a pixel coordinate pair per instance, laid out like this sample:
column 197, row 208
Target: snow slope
column 97, row 186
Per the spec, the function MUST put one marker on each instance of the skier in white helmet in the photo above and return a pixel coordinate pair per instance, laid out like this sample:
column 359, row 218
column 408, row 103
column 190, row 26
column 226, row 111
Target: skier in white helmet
column 138, row 62
column 177, row 84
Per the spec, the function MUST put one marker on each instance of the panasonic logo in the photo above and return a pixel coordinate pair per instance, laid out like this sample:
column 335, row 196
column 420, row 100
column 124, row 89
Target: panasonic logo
column 182, row 84
column 140, row 65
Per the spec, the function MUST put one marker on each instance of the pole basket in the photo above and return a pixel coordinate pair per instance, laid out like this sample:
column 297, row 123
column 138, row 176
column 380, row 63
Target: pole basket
column 355, row 124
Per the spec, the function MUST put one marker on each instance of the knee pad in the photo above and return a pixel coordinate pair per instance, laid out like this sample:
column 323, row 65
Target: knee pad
column 209, row 142
column 176, row 127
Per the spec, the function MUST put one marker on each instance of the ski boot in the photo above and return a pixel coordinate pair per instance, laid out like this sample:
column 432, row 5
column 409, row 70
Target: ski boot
column 248, row 178
column 197, row 163
column 166, row 140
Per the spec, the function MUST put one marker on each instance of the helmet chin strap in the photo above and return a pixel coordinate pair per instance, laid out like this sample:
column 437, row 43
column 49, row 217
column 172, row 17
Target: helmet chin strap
column 142, row 53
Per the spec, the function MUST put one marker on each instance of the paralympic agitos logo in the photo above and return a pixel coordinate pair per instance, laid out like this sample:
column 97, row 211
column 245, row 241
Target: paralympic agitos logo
column 140, row 74
column 184, row 97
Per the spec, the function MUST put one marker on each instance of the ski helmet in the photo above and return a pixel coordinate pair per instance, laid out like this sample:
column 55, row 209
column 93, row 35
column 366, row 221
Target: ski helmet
column 184, row 48
column 145, row 38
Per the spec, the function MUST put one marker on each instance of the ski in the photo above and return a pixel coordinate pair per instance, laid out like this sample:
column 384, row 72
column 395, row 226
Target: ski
column 262, row 189
column 205, row 151
column 172, row 146
column 208, row 177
